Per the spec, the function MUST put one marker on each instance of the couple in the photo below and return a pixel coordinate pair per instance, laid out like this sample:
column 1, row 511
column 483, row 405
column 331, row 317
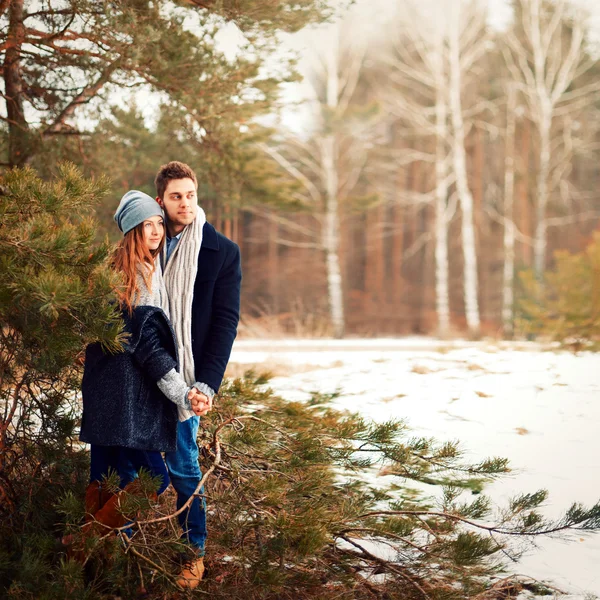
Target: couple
column 180, row 303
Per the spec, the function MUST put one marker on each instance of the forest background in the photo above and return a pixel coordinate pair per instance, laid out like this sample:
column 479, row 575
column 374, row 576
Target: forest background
column 433, row 150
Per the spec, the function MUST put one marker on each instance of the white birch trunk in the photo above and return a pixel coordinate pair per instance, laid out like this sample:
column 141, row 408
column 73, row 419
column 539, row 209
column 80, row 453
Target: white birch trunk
column 460, row 173
column 544, row 120
column 540, row 237
column 331, row 238
column 509, row 225
column 331, row 231
column 548, row 69
column 441, row 195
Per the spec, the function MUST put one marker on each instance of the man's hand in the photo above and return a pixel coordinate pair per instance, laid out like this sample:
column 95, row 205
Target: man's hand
column 200, row 402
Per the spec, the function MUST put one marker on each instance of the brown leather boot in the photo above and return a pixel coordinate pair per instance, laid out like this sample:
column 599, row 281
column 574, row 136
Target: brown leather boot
column 110, row 515
column 192, row 574
column 95, row 498
column 106, row 518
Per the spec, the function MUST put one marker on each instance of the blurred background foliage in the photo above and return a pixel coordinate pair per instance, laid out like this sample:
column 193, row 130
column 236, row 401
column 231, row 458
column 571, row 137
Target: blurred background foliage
column 353, row 214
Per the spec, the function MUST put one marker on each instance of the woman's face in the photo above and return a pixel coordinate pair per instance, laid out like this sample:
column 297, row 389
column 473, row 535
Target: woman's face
column 154, row 230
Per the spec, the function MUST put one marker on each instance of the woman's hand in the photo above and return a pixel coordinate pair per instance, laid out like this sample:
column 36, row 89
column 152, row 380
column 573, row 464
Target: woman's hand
column 200, row 402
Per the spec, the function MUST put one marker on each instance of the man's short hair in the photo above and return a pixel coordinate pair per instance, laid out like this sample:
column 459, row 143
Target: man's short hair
column 169, row 172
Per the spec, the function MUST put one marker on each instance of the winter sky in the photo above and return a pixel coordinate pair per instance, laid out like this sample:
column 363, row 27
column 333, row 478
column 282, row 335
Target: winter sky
column 370, row 16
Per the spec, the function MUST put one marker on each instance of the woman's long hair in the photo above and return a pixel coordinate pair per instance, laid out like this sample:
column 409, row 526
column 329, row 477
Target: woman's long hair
column 132, row 256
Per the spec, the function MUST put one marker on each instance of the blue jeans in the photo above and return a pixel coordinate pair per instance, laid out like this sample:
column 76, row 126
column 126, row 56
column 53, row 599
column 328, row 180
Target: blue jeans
column 126, row 462
column 185, row 476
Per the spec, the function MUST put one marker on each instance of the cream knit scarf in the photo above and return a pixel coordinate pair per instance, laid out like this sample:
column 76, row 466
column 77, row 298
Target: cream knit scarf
column 180, row 276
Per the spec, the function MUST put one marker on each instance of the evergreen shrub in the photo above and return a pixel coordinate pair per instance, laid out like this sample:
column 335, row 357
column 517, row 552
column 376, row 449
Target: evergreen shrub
column 565, row 306
column 305, row 500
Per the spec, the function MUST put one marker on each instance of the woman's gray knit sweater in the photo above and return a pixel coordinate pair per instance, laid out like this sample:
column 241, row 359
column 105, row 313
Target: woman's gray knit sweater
column 172, row 385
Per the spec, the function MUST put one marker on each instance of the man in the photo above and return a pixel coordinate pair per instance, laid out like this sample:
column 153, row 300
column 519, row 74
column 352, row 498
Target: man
column 203, row 278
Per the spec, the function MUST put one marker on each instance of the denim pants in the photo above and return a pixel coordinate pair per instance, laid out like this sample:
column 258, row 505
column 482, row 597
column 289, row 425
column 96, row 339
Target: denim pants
column 127, row 462
column 185, row 474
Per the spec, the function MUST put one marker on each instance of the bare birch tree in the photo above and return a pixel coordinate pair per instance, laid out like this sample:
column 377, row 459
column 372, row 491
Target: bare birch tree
column 438, row 46
column 442, row 218
column 415, row 61
column 509, row 224
column 329, row 164
column 329, row 149
column 467, row 42
column 548, row 60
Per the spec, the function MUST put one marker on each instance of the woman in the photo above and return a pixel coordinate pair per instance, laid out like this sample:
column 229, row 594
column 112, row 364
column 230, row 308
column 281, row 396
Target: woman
column 131, row 399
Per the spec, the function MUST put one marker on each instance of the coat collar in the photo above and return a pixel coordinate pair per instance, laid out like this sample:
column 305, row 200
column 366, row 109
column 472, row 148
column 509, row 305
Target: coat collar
column 210, row 240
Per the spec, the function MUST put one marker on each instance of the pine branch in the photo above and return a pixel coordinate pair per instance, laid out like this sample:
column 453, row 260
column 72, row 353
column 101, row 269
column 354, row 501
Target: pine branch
column 385, row 564
column 85, row 96
column 490, row 528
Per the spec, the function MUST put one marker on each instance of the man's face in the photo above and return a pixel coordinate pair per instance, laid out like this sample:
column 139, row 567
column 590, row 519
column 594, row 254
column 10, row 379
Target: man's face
column 180, row 202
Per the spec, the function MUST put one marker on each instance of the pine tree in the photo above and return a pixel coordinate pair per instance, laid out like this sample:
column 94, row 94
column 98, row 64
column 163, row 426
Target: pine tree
column 62, row 63
column 311, row 502
column 55, row 293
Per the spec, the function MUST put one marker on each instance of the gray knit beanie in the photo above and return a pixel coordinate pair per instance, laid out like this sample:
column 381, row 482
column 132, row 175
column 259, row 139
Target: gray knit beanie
column 135, row 207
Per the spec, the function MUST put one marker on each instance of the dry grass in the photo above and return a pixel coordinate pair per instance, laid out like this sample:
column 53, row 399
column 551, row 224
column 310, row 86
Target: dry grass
column 421, row 370
column 474, row 367
column 389, row 399
column 300, row 322
column 275, row 369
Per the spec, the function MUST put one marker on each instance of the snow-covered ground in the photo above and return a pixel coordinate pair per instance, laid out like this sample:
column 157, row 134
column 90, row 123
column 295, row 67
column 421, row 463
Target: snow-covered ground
column 540, row 409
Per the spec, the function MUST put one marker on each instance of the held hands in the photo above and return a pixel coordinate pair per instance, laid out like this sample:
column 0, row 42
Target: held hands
column 200, row 402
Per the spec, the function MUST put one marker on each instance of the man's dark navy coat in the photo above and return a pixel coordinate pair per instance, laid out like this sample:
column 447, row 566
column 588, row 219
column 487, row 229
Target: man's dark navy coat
column 216, row 306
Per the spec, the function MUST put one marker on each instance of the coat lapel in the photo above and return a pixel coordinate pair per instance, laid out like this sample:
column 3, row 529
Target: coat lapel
column 210, row 240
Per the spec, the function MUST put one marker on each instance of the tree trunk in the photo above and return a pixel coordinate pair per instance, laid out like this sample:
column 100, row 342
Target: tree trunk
column 331, row 238
column 509, row 225
column 331, row 232
column 441, row 196
column 18, row 128
column 539, row 242
column 273, row 266
column 398, row 237
column 522, row 189
column 462, row 186
column 375, row 266
column 235, row 227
